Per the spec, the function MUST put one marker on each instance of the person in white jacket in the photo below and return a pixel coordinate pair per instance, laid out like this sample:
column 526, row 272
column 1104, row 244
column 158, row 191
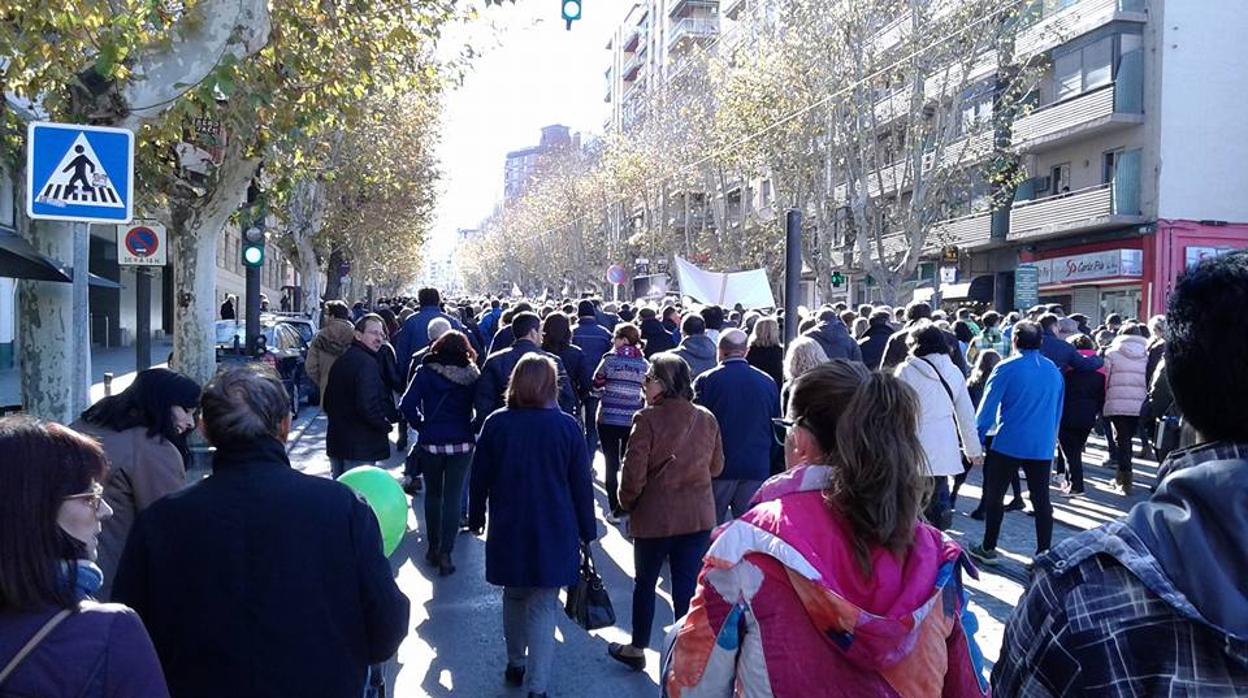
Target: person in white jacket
column 946, row 417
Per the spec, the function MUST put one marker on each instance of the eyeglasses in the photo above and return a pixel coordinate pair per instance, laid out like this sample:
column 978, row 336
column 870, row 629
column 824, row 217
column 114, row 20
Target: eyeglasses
column 93, row 497
column 649, row 378
column 781, row 426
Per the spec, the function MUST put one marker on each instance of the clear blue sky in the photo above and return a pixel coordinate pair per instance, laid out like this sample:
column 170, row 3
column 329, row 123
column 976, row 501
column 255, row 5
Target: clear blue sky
column 534, row 73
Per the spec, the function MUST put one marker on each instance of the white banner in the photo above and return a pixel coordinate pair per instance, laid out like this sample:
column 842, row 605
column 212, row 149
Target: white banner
column 750, row 288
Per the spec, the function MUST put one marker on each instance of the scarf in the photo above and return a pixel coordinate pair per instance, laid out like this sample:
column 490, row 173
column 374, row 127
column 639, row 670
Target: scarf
column 85, row 577
column 629, row 351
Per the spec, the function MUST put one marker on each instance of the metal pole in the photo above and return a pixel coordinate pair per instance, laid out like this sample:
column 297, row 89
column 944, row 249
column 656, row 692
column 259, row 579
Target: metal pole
column 80, row 343
column 142, row 318
column 252, row 292
column 792, row 271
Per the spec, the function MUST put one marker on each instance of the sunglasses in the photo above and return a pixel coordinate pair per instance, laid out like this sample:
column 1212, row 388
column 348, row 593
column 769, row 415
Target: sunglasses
column 781, row 426
column 93, row 497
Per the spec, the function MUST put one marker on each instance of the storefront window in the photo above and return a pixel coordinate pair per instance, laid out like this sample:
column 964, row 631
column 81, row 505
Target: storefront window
column 1125, row 302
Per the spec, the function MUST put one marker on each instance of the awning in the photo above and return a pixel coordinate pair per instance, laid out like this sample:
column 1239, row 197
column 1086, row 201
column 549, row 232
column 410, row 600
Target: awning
column 20, row 260
column 977, row 289
column 94, row 280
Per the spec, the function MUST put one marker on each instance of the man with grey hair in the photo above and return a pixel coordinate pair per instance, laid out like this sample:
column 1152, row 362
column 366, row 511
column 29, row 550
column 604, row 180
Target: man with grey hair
column 744, row 400
column 261, row 580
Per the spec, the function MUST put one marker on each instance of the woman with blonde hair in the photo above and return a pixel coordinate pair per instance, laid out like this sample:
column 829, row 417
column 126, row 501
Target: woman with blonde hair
column 765, row 352
column 832, row 584
column 804, row 354
column 530, row 471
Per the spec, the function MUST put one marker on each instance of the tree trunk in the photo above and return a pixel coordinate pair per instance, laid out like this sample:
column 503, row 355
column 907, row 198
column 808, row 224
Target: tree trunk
column 333, row 279
column 45, row 331
column 197, row 226
column 309, row 278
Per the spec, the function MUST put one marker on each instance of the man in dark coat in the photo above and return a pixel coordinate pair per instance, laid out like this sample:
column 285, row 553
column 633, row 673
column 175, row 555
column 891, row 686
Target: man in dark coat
column 1062, row 353
column 897, row 350
column 497, row 371
column 415, row 333
column 261, row 580
column 834, row 338
column 875, row 339
column 358, row 403
column 605, row 319
column 696, row 348
column 595, row 341
column 744, row 400
column 506, row 335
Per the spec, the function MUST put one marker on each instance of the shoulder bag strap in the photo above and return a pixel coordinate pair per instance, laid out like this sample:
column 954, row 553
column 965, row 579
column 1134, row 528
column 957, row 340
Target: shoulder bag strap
column 33, row 642
column 952, row 401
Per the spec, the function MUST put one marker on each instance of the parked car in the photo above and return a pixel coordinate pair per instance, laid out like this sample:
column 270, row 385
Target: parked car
column 284, row 349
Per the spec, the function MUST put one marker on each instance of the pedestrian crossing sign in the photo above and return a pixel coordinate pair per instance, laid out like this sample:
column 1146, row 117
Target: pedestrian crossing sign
column 79, row 173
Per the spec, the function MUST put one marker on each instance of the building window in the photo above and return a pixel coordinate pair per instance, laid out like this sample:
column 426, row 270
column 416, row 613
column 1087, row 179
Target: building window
column 1059, row 178
column 1109, row 166
column 1084, row 69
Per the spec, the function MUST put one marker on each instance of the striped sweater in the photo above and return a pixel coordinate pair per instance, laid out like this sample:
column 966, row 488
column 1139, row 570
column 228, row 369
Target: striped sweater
column 618, row 383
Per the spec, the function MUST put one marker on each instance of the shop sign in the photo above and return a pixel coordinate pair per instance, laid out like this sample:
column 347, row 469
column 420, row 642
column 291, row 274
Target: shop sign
column 1196, row 255
column 1026, row 286
column 1091, row 266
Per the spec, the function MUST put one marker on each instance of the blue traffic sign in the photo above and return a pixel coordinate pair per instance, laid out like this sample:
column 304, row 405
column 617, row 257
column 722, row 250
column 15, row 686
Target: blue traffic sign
column 79, row 173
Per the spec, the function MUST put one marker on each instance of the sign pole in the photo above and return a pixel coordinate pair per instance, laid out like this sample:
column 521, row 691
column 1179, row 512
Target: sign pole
column 142, row 318
column 792, row 272
column 252, row 292
column 80, row 400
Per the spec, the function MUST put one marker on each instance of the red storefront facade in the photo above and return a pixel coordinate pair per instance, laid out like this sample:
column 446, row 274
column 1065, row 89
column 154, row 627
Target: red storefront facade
column 1133, row 277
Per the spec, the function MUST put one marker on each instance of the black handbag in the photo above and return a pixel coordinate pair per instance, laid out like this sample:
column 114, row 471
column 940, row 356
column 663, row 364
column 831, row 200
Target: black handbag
column 588, row 604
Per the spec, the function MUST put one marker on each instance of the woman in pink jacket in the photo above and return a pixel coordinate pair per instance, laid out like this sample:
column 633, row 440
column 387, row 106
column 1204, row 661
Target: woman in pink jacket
column 831, row 585
column 1126, row 389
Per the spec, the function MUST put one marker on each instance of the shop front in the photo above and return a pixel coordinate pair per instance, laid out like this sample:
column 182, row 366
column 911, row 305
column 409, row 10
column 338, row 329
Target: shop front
column 1180, row 244
column 1095, row 282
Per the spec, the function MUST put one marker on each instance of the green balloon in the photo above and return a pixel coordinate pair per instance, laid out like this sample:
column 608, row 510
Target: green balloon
column 384, row 494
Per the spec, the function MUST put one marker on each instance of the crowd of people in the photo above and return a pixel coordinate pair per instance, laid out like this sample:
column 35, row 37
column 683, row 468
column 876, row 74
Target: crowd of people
column 797, row 492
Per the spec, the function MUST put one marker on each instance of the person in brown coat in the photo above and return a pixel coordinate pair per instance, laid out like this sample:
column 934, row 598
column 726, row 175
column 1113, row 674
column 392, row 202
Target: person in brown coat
column 673, row 453
column 331, row 342
column 137, row 429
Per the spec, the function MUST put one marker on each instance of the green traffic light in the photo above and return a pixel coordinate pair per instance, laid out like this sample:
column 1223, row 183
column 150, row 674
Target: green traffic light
column 571, row 11
column 253, row 255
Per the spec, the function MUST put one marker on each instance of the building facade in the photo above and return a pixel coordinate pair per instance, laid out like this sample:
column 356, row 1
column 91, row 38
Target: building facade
column 521, row 166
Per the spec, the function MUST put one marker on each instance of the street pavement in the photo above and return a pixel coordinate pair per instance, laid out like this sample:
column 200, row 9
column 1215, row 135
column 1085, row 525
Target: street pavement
column 455, row 644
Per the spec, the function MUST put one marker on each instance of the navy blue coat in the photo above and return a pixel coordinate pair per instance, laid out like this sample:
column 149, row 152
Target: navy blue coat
column 1065, row 356
column 438, row 403
column 497, row 373
column 873, row 343
column 503, row 339
column 580, row 370
column 592, row 338
column 1083, row 399
column 415, row 335
column 262, row 581
column 656, row 337
column 744, row 400
column 532, row 469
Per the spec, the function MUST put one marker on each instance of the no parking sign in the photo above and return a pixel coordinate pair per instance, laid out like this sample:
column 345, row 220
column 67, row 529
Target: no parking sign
column 142, row 243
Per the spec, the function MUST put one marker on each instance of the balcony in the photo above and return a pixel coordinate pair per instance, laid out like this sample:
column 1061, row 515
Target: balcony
column 692, row 28
column 731, row 8
column 630, row 68
column 683, row 8
column 1102, row 110
column 1102, row 206
column 1052, row 23
column 968, row 232
column 633, row 39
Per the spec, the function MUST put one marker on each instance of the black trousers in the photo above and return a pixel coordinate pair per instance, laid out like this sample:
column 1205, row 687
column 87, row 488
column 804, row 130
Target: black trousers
column 998, row 468
column 1120, row 447
column 1072, row 442
column 614, row 445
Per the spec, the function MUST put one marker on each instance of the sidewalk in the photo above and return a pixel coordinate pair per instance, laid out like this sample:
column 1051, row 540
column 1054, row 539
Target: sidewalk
column 119, row 361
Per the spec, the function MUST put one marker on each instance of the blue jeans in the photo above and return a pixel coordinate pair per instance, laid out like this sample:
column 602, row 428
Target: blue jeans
column 444, row 490
column 529, row 615
column 684, row 555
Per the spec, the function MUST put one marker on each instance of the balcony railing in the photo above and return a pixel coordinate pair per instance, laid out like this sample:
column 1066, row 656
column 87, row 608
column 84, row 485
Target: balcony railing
column 629, row 69
column 692, row 28
column 731, row 8
column 968, row 232
column 1099, row 110
column 1095, row 207
column 1054, row 22
column 680, row 8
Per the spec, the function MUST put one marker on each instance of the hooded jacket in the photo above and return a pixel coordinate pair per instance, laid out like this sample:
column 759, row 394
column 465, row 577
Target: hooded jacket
column 699, row 352
column 946, row 426
column 835, row 340
column 1126, row 384
column 1168, row 578
column 438, row 403
column 783, row 609
column 331, row 342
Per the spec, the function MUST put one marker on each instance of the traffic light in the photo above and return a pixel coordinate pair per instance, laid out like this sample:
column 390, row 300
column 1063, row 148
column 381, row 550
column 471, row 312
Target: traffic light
column 837, row 279
column 571, row 11
column 253, row 247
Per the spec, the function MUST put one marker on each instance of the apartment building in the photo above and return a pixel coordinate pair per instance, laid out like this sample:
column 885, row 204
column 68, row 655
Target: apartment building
column 521, row 166
column 647, row 48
